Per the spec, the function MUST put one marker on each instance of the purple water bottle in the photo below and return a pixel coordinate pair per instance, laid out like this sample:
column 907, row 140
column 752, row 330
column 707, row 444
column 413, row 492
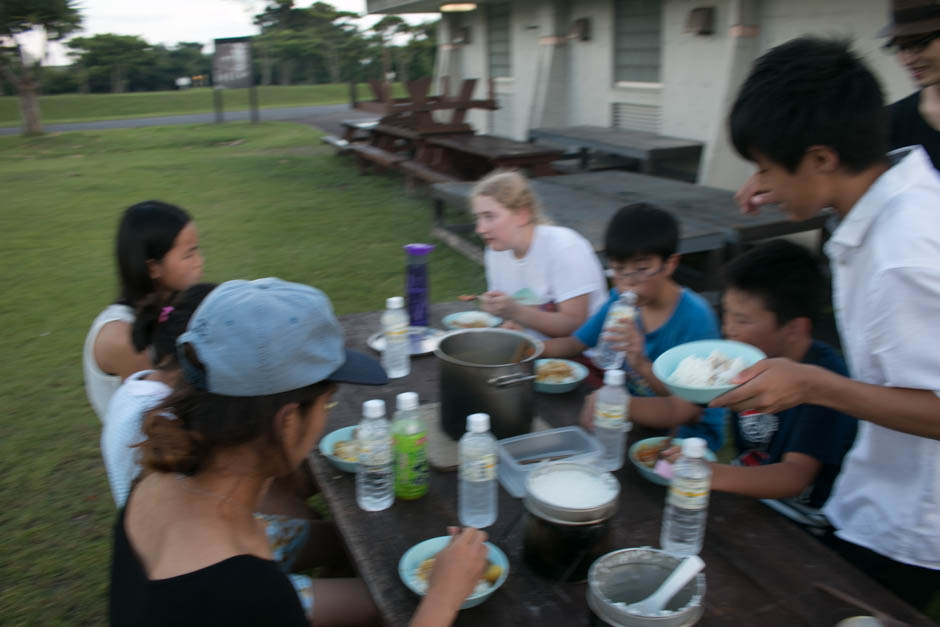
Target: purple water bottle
column 416, row 283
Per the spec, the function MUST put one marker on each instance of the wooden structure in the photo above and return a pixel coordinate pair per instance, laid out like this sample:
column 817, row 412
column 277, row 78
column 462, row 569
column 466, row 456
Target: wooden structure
column 760, row 568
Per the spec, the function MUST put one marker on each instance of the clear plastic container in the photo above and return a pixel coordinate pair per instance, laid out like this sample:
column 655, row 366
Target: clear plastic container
column 522, row 454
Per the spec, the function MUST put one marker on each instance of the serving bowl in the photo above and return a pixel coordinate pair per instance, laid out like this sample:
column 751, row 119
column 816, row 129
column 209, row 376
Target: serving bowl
column 413, row 557
column 472, row 319
column 330, row 439
column 645, row 471
column 667, row 363
column 578, row 374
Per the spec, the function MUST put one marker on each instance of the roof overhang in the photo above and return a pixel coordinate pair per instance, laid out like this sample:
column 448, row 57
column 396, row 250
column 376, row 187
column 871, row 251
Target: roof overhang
column 406, row 6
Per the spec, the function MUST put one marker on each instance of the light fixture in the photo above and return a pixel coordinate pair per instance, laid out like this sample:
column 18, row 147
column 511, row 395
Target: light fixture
column 458, row 7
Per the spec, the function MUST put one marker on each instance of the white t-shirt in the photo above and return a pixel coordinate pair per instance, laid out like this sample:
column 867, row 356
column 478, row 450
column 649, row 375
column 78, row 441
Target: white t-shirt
column 885, row 258
column 559, row 265
column 99, row 386
column 123, row 427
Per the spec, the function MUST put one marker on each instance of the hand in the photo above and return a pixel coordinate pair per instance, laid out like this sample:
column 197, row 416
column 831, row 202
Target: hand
column 671, row 454
column 769, row 386
column 459, row 566
column 499, row 304
column 627, row 337
column 751, row 197
column 511, row 325
column 587, row 412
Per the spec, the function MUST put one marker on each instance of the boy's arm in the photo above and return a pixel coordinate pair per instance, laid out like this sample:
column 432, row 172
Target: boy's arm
column 773, row 385
column 563, row 347
column 787, row 478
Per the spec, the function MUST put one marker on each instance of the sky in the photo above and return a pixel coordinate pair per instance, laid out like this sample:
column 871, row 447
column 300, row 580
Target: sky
column 171, row 21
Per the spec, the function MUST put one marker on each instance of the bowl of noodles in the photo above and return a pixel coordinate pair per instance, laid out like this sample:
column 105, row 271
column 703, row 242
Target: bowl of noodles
column 557, row 376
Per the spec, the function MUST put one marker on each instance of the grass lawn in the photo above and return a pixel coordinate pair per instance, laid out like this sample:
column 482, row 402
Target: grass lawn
column 87, row 107
column 267, row 199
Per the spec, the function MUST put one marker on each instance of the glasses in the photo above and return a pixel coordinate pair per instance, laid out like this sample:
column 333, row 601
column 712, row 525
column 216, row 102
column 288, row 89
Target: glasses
column 913, row 45
column 643, row 274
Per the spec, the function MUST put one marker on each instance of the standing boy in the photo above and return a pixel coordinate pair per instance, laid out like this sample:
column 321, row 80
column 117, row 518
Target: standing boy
column 640, row 244
column 811, row 115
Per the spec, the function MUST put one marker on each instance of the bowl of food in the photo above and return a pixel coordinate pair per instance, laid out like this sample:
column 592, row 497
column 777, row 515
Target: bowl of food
column 701, row 371
column 557, row 376
column 341, row 448
column 471, row 320
column 646, row 453
column 414, row 569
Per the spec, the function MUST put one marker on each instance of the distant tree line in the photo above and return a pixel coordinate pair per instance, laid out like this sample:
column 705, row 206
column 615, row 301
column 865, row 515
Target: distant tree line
column 315, row 44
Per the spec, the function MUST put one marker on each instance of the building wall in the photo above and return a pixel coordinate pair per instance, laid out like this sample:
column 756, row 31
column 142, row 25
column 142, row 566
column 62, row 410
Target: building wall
column 557, row 82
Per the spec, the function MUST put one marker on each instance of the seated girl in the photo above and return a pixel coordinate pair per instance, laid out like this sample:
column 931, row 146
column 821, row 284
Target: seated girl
column 546, row 279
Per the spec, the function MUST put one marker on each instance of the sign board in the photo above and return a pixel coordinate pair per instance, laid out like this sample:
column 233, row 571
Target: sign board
column 231, row 65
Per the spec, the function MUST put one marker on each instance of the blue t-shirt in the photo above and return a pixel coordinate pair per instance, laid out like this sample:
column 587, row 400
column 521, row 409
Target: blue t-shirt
column 693, row 319
column 822, row 433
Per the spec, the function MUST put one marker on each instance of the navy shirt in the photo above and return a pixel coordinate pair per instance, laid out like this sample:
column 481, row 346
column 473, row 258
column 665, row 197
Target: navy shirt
column 692, row 319
column 819, row 432
column 909, row 128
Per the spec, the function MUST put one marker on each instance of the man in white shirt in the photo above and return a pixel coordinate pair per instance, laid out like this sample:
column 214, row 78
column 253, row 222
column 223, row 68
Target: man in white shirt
column 812, row 117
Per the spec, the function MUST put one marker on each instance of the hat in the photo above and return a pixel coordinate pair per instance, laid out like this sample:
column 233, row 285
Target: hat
column 912, row 17
column 255, row 338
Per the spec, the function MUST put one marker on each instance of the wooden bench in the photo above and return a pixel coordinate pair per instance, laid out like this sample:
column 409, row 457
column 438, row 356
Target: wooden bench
column 415, row 170
column 340, row 144
column 367, row 155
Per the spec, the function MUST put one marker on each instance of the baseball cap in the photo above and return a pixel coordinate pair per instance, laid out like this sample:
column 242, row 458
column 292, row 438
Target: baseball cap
column 254, row 338
column 912, row 17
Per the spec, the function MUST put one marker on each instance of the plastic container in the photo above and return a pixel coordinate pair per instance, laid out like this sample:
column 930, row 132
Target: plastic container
column 686, row 513
column 611, row 419
column 417, row 285
column 396, row 358
column 375, row 474
column 410, row 435
column 623, row 311
column 477, row 504
column 520, row 455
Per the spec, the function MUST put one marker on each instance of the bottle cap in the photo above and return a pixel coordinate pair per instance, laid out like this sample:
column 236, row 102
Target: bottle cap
column 418, row 248
column 407, row 401
column 478, row 423
column 374, row 408
column 629, row 296
column 614, row 377
column 693, row 447
column 395, row 302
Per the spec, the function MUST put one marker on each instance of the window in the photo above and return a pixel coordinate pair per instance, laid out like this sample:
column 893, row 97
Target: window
column 498, row 39
column 637, row 40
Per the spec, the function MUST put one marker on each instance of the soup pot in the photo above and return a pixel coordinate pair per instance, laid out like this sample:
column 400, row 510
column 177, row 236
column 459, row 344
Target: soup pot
column 490, row 371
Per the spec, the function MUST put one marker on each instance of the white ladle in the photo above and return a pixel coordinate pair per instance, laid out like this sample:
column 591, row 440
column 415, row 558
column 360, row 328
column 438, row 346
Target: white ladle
column 684, row 572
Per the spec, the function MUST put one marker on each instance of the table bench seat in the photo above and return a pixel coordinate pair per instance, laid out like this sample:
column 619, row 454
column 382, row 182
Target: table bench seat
column 366, row 154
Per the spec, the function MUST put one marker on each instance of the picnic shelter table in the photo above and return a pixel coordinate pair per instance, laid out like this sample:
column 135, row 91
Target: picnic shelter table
column 647, row 148
column 760, row 568
column 469, row 157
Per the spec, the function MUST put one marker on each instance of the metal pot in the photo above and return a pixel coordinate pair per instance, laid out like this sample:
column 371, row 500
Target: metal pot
column 490, row 371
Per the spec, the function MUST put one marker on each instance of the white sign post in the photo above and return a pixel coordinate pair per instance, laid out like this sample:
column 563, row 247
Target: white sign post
column 232, row 69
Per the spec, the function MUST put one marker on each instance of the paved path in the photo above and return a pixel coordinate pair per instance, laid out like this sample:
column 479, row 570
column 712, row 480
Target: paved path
column 301, row 114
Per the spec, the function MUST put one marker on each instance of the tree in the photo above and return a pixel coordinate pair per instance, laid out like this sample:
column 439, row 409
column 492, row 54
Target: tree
column 113, row 59
column 55, row 19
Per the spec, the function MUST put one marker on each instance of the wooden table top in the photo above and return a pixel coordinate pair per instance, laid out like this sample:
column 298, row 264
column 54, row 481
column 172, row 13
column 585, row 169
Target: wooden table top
column 493, row 147
column 760, row 568
column 619, row 141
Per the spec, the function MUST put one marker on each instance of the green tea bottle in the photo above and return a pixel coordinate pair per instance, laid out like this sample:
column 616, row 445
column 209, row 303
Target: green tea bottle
column 412, row 474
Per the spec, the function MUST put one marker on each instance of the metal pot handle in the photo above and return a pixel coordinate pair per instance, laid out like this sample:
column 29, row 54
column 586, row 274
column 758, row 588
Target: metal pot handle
column 510, row 379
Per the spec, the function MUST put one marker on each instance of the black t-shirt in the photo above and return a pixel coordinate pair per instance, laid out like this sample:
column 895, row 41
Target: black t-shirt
column 819, row 432
column 908, row 128
column 241, row 590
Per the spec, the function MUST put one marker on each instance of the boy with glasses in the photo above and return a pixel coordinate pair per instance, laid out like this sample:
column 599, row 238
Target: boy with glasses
column 914, row 34
column 640, row 244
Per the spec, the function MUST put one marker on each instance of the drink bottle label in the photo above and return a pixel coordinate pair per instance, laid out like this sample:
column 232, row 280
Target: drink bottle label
column 688, row 493
column 480, row 469
column 609, row 415
column 411, row 465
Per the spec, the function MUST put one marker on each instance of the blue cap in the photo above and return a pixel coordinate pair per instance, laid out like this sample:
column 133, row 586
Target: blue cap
column 268, row 336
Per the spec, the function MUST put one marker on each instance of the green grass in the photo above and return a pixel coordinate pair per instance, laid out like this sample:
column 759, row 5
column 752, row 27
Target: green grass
column 267, row 200
column 87, row 107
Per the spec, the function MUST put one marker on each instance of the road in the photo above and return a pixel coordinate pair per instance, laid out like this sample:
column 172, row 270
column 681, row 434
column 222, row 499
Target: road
column 283, row 113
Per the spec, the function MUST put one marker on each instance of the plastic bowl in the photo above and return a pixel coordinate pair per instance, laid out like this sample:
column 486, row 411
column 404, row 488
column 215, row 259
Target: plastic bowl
column 409, row 562
column 579, row 374
column 667, row 363
column 645, row 470
column 326, row 447
column 470, row 320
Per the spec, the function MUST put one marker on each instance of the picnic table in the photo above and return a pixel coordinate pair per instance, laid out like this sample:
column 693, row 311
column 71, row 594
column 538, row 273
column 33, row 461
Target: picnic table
column 647, row 148
column 469, row 157
column 760, row 568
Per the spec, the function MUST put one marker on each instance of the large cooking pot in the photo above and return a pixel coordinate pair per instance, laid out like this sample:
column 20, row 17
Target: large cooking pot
column 490, row 371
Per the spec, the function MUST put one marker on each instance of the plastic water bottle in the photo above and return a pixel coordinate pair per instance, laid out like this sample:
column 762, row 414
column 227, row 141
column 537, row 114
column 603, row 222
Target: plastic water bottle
column 396, row 358
column 375, row 476
column 687, row 501
column 611, row 411
column 621, row 312
column 411, row 440
column 476, row 490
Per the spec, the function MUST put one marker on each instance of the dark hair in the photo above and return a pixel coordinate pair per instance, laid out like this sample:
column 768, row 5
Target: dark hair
column 186, row 429
column 807, row 92
column 160, row 335
column 784, row 275
column 146, row 232
column 641, row 229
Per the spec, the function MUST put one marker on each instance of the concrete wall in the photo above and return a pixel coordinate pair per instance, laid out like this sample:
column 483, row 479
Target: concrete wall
column 557, row 81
